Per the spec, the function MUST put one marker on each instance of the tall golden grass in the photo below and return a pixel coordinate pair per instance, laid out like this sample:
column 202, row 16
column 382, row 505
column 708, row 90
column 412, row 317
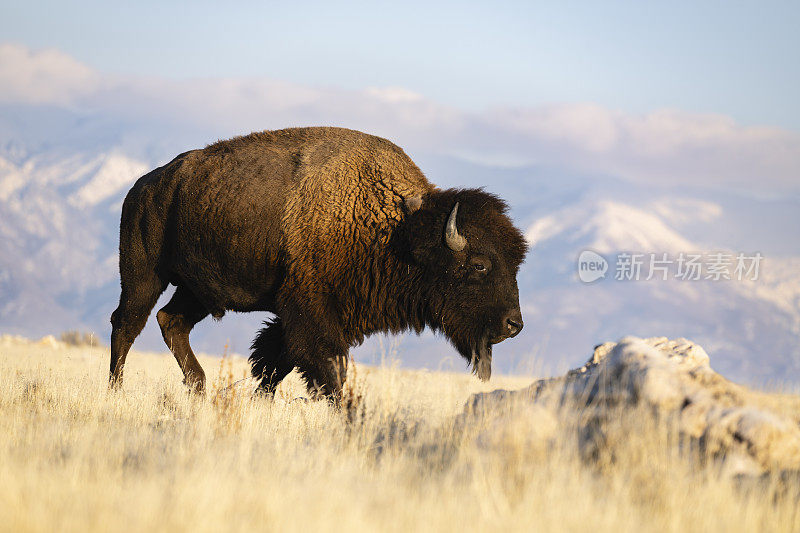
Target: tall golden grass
column 76, row 457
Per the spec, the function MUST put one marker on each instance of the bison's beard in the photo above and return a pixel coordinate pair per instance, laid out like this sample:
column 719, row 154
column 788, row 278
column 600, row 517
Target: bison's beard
column 481, row 360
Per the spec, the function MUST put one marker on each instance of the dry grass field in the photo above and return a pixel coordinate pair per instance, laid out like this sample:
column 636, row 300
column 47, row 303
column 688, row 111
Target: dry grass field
column 76, row 457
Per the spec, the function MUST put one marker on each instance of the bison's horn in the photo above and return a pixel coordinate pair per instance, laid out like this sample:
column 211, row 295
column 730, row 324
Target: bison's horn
column 454, row 241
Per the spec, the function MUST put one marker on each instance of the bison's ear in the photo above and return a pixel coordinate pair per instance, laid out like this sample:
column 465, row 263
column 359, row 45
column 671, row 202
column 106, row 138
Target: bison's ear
column 412, row 204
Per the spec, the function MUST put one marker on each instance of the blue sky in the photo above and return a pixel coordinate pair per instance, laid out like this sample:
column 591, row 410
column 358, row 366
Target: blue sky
column 740, row 59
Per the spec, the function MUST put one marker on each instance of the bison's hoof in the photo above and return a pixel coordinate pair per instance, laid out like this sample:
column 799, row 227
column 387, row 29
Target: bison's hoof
column 196, row 386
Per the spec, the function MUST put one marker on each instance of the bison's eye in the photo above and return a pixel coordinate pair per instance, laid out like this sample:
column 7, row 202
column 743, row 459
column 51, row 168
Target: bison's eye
column 480, row 265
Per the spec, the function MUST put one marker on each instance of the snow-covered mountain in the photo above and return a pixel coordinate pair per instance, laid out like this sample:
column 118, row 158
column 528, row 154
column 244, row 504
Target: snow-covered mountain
column 60, row 197
column 733, row 318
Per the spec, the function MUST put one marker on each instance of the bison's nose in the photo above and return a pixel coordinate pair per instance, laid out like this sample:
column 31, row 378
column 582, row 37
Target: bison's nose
column 514, row 323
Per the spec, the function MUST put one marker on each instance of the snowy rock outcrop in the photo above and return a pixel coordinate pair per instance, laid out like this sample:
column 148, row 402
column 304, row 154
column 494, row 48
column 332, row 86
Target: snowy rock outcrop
column 658, row 381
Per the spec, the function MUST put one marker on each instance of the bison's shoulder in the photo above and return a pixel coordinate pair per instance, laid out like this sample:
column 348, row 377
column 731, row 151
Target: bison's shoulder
column 346, row 196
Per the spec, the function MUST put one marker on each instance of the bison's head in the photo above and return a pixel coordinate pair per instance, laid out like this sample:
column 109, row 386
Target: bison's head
column 469, row 253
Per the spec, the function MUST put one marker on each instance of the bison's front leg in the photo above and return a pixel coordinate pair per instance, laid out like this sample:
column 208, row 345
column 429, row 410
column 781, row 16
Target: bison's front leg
column 325, row 377
column 318, row 349
column 270, row 360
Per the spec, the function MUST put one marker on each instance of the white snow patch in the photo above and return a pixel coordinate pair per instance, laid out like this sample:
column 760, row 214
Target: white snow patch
column 115, row 173
column 608, row 226
column 685, row 210
column 11, row 179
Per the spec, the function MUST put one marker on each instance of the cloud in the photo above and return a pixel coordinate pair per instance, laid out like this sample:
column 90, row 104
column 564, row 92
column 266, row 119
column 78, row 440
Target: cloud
column 393, row 94
column 43, row 77
column 665, row 147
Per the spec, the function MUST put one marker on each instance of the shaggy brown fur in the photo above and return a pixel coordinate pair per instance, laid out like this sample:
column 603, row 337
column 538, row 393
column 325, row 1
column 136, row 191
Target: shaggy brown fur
column 336, row 232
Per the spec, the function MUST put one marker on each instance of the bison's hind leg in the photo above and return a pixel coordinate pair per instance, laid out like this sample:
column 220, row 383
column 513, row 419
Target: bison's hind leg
column 139, row 295
column 269, row 360
column 176, row 320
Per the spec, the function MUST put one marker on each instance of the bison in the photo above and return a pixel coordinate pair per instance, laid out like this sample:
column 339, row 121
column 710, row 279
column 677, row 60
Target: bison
column 335, row 232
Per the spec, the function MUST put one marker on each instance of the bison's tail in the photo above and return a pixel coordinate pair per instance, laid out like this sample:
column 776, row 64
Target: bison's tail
column 269, row 360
